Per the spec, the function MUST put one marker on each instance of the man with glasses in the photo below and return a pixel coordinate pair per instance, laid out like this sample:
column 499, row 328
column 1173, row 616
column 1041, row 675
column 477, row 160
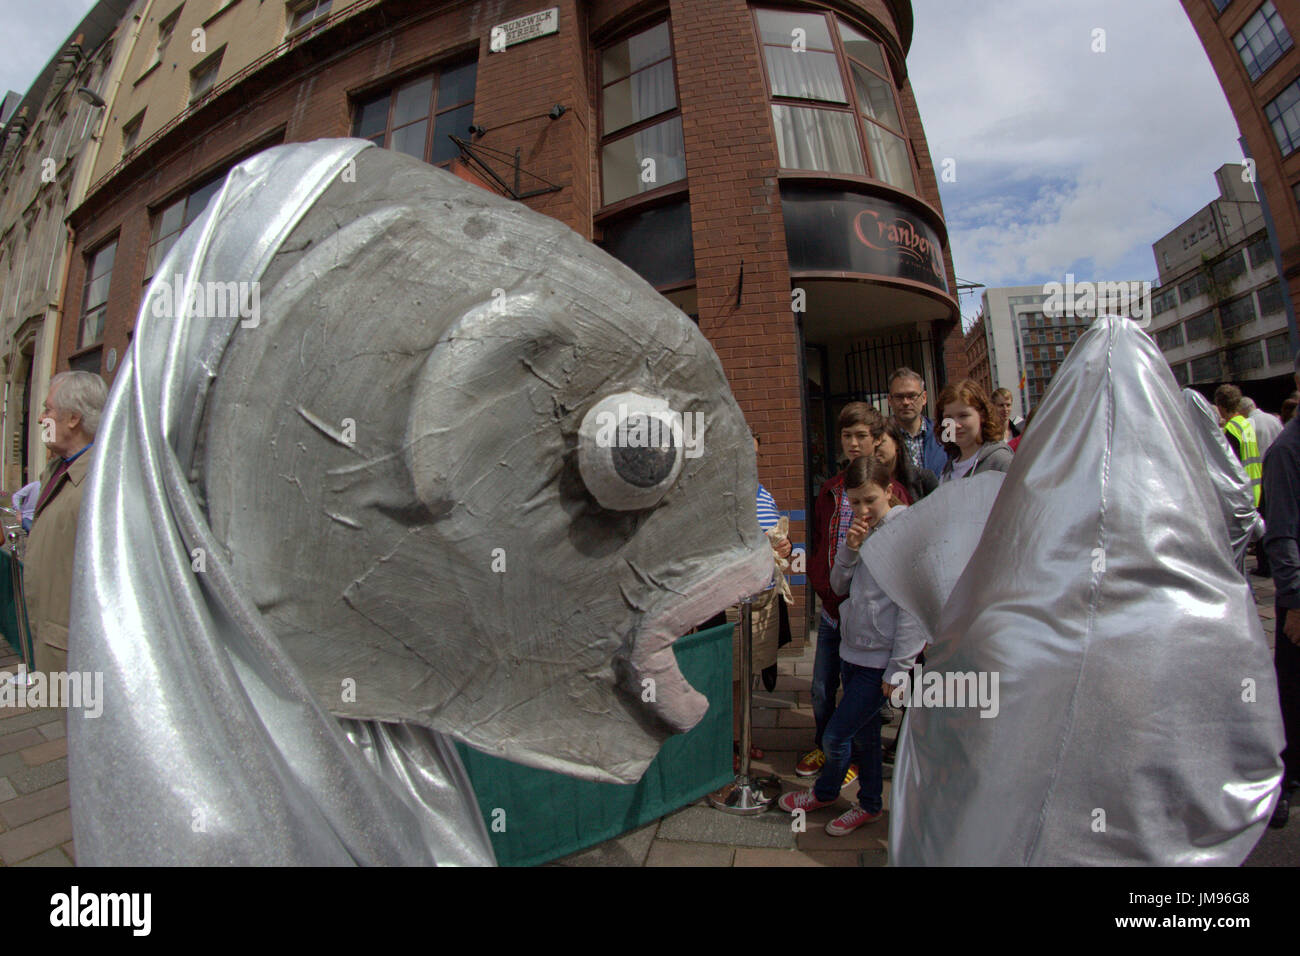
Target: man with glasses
column 907, row 401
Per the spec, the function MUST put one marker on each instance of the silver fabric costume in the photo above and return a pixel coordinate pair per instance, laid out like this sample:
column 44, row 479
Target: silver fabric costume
column 288, row 558
column 1231, row 483
column 1138, row 717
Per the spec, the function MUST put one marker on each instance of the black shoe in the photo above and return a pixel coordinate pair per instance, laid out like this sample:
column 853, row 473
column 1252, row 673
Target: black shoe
column 1280, row 812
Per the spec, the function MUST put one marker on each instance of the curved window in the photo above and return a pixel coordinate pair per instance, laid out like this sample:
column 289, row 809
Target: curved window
column 834, row 106
column 641, row 125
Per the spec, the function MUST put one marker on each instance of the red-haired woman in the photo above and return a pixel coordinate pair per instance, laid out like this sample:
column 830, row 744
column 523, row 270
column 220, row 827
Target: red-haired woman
column 971, row 431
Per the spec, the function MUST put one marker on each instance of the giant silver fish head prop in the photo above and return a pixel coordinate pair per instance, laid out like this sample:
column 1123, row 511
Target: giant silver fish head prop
column 476, row 467
column 391, row 458
column 1133, row 714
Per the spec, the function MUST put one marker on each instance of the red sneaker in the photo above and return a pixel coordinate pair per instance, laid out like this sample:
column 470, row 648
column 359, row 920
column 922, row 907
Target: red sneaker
column 850, row 820
column 801, row 800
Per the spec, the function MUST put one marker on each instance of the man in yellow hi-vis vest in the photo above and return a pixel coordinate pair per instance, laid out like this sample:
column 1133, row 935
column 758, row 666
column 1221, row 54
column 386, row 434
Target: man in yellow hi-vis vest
column 1240, row 434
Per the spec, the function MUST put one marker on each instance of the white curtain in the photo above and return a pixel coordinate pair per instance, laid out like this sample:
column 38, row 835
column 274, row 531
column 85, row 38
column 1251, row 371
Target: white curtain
column 809, row 75
column 817, row 139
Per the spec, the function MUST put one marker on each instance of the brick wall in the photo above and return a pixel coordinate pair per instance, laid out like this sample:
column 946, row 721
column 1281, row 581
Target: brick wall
column 1275, row 175
column 735, row 219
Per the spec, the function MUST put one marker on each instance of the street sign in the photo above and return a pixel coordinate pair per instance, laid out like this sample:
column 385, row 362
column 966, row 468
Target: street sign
column 523, row 29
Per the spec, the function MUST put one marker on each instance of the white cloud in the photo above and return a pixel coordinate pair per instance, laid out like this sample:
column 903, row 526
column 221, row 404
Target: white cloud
column 1067, row 157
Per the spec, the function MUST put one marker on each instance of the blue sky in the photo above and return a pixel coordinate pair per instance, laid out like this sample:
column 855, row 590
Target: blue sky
column 1067, row 160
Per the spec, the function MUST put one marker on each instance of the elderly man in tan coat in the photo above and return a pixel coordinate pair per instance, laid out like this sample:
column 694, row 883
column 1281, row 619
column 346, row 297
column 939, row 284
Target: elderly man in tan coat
column 68, row 425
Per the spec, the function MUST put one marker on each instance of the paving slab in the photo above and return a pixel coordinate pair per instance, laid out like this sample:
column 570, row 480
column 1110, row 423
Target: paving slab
column 45, row 751
column 798, row 717
column 754, row 856
column 33, row 806
column 775, row 699
column 53, row 730
column 24, row 842
column 630, row 849
column 7, row 791
column 54, row 857
column 703, row 824
column 20, row 718
column 30, row 737
column 666, row 853
column 30, row 779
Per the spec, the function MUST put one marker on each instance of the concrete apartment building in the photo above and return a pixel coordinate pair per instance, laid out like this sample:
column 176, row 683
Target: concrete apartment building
column 1218, row 311
column 1251, row 45
column 1028, row 331
column 794, row 215
column 50, row 140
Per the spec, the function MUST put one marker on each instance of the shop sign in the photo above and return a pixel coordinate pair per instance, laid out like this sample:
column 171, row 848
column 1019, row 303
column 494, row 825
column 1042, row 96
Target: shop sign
column 838, row 231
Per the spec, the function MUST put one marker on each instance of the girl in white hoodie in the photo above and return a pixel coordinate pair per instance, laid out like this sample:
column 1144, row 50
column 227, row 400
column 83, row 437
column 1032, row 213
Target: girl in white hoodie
column 878, row 639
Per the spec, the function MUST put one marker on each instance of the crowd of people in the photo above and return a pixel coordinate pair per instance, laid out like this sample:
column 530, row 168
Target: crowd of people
column 865, row 643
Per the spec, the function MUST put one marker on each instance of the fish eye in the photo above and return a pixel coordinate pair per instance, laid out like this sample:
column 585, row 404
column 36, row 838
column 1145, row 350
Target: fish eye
column 630, row 450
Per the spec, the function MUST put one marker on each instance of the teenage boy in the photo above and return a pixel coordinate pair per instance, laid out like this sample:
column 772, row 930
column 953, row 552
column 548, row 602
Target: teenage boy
column 832, row 516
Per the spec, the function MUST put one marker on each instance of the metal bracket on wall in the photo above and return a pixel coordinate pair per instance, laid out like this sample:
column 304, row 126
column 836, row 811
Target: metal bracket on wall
column 477, row 156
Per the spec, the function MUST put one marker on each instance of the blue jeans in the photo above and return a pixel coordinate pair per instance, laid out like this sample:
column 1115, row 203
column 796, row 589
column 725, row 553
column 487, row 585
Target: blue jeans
column 853, row 735
column 826, row 674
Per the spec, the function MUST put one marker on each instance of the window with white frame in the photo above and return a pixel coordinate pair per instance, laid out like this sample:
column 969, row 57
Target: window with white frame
column 204, row 76
column 166, row 27
column 642, row 147
column 303, row 15
column 94, row 304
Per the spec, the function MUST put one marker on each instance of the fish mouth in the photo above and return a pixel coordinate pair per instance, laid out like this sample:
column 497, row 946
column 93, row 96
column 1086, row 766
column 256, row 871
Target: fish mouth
column 650, row 669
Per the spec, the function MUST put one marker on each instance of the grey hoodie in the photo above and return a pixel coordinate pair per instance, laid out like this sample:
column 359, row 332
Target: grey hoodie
column 992, row 456
column 874, row 631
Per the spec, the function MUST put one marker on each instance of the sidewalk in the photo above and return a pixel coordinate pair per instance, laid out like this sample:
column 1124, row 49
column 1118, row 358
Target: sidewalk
column 36, row 827
column 701, row 836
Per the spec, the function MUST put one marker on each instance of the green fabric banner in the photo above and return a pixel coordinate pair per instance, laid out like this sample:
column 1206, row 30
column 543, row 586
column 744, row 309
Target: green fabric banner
column 541, row 816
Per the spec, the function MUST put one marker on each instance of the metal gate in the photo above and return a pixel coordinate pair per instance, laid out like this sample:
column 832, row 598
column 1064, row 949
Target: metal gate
column 869, row 363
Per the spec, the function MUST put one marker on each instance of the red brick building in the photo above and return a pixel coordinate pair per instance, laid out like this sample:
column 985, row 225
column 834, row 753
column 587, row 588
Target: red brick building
column 1251, row 45
column 977, row 355
column 764, row 167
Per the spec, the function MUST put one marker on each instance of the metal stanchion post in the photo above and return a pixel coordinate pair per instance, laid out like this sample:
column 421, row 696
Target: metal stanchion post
column 746, row 796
